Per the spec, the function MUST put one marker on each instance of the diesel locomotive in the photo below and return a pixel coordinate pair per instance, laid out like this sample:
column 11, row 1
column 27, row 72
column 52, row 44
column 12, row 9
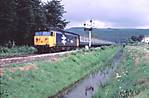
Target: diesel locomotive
column 52, row 41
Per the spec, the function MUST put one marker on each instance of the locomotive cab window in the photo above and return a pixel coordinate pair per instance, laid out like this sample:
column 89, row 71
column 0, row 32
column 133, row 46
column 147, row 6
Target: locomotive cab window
column 38, row 33
column 44, row 33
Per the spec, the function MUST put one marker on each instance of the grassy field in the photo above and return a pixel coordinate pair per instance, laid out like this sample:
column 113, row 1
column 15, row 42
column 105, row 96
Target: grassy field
column 131, row 80
column 16, row 51
column 41, row 79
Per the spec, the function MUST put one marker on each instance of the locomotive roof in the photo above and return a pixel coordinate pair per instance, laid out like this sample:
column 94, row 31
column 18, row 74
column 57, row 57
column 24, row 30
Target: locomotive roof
column 66, row 32
column 59, row 30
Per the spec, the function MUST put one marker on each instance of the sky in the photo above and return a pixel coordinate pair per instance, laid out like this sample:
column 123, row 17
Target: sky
column 107, row 13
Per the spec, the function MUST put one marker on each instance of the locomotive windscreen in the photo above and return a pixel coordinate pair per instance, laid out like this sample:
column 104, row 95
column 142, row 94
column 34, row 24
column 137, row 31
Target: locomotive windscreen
column 44, row 33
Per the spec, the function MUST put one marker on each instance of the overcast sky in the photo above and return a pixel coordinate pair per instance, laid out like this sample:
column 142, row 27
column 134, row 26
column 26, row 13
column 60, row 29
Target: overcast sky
column 108, row 13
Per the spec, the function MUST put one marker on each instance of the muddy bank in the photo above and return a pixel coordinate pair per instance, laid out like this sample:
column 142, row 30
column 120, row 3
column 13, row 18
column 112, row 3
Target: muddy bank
column 88, row 85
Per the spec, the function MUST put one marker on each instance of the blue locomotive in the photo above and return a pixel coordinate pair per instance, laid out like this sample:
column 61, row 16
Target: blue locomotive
column 56, row 40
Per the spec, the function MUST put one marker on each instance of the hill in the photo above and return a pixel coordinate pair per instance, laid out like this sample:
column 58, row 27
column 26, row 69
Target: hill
column 110, row 34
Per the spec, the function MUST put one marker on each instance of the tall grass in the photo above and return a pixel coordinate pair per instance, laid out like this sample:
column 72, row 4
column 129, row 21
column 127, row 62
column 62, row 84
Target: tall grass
column 50, row 77
column 131, row 80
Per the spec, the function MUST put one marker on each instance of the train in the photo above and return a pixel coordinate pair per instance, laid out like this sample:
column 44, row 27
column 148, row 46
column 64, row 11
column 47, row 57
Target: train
column 60, row 40
column 51, row 41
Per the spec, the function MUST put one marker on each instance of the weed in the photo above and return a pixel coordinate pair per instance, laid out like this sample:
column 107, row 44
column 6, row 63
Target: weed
column 133, row 80
column 50, row 77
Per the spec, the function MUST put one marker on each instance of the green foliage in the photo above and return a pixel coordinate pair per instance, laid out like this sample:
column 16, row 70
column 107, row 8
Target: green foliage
column 16, row 51
column 30, row 17
column 50, row 77
column 19, row 19
column 7, row 19
column 132, row 81
column 54, row 13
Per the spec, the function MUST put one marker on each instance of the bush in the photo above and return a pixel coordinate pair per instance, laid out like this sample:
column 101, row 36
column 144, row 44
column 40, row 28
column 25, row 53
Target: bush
column 17, row 50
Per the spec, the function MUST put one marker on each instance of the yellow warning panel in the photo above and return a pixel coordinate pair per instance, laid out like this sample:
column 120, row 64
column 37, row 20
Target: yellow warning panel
column 45, row 40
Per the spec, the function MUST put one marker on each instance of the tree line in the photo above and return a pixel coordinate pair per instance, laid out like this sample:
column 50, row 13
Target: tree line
column 137, row 38
column 19, row 19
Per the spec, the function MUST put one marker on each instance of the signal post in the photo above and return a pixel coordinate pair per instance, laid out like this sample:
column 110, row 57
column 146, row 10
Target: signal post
column 88, row 28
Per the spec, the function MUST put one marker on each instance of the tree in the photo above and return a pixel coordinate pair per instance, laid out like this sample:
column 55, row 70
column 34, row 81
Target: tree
column 19, row 19
column 54, row 13
column 137, row 38
column 140, row 38
column 31, row 16
column 134, row 38
column 7, row 20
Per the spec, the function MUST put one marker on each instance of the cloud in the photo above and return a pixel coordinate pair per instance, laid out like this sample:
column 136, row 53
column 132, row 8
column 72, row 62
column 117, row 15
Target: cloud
column 117, row 13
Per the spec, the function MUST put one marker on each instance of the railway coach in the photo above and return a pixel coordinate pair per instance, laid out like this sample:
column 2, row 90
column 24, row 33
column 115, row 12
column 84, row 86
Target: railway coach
column 51, row 41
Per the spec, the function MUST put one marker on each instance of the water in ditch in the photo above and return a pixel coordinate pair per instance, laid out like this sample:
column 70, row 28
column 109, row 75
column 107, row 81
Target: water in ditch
column 88, row 86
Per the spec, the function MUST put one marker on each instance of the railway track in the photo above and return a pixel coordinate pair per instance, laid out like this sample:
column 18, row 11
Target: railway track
column 6, row 62
column 24, row 55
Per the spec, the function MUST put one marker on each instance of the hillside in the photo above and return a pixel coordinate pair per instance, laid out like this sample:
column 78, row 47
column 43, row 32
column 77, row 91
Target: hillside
column 115, row 35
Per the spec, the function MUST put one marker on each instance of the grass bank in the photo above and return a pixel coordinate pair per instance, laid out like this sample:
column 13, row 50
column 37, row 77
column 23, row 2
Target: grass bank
column 131, row 80
column 16, row 51
column 45, row 78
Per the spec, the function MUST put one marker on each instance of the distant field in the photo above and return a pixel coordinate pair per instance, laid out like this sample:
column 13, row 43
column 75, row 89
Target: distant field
column 131, row 80
column 40, row 79
column 116, row 35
